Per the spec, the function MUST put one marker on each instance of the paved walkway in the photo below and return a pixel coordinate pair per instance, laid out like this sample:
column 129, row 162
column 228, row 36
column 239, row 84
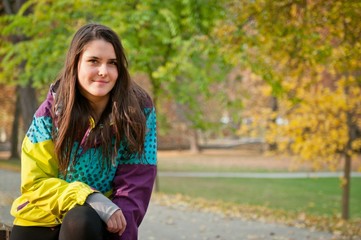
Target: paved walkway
column 166, row 223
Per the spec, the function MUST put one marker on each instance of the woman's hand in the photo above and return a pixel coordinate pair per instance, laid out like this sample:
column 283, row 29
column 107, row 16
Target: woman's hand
column 117, row 223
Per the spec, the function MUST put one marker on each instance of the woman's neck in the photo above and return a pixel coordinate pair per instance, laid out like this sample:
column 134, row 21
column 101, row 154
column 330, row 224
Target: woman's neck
column 99, row 107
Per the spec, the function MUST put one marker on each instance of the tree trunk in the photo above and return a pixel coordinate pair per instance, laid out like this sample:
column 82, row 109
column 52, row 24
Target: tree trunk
column 346, row 187
column 26, row 93
column 28, row 103
column 352, row 136
column 274, row 107
column 12, row 7
column 193, row 141
column 14, row 153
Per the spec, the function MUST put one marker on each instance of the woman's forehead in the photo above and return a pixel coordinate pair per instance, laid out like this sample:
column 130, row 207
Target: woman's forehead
column 99, row 48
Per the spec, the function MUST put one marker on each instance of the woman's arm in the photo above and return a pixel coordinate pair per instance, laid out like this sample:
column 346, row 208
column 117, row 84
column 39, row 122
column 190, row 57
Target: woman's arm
column 40, row 185
column 134, row 181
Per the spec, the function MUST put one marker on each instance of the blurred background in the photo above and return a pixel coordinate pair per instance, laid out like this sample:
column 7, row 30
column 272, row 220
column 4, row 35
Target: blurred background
column 240, row 86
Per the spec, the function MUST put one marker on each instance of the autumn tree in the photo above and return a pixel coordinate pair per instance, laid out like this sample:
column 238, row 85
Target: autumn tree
column 168, row 41
column 308, row 52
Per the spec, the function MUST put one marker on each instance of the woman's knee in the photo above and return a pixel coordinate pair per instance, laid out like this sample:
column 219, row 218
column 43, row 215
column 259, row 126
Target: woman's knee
column 82, row 222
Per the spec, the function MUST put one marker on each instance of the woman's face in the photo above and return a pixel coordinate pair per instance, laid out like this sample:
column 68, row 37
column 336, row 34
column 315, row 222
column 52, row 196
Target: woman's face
column 97, row 70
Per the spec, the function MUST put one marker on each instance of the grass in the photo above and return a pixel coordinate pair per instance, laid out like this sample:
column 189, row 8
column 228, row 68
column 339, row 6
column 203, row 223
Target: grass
column 320, row 196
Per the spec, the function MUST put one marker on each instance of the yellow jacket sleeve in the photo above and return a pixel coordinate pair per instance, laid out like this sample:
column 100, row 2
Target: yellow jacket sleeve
column 45, row 198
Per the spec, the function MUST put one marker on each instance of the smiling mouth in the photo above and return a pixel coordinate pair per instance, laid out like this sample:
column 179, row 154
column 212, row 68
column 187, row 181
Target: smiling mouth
column 100, row 81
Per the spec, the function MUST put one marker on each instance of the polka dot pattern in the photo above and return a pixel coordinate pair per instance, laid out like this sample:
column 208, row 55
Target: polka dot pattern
column 150, row 144
column 88, row 167
column 40, row 129
column 151, row 139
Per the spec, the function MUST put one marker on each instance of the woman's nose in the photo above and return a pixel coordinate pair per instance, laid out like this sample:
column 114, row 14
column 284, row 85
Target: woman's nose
column 103, row 71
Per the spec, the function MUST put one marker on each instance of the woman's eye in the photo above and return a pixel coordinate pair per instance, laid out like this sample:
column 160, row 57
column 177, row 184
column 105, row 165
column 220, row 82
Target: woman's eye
column 93, row 61
column 113, row 63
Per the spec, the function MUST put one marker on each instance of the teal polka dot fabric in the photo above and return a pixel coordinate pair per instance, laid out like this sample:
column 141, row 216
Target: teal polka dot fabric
column 88, row 168
column 150, row 151
column 40, row 129
column 150, row 145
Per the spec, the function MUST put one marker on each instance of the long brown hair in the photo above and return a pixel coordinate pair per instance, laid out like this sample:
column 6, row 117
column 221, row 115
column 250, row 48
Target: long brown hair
column 123, row 117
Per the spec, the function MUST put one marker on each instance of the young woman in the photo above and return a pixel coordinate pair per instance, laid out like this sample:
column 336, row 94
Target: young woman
column 89, row 157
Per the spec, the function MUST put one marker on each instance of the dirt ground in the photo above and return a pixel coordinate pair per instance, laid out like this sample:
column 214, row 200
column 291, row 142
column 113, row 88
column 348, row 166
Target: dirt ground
column 243, row 158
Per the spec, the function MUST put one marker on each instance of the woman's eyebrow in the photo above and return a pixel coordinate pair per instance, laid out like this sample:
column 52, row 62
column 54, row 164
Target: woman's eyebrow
column 95, row 57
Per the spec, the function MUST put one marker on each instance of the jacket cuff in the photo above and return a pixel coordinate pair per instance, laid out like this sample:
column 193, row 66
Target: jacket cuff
column 102, row 205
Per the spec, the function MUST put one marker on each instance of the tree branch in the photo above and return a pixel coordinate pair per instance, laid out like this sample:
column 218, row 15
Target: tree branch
column 7, row 7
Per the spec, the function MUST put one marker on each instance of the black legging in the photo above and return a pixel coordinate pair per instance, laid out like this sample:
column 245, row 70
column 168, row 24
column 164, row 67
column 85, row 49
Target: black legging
column 80, row 223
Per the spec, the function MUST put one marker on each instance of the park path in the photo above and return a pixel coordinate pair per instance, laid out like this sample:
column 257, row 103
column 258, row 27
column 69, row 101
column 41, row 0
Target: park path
column 177, row 223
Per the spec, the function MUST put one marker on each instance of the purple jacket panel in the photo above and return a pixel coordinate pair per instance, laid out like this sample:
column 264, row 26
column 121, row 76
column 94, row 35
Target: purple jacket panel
column 44, row 109
column 133, row 186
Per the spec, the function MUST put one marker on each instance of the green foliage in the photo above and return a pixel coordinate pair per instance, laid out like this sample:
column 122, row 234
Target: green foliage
column 39, row 39
column 170, row 43
column 167, row 40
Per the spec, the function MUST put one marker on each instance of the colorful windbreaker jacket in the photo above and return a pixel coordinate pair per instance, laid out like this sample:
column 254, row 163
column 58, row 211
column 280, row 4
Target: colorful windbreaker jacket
column 46, row 195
